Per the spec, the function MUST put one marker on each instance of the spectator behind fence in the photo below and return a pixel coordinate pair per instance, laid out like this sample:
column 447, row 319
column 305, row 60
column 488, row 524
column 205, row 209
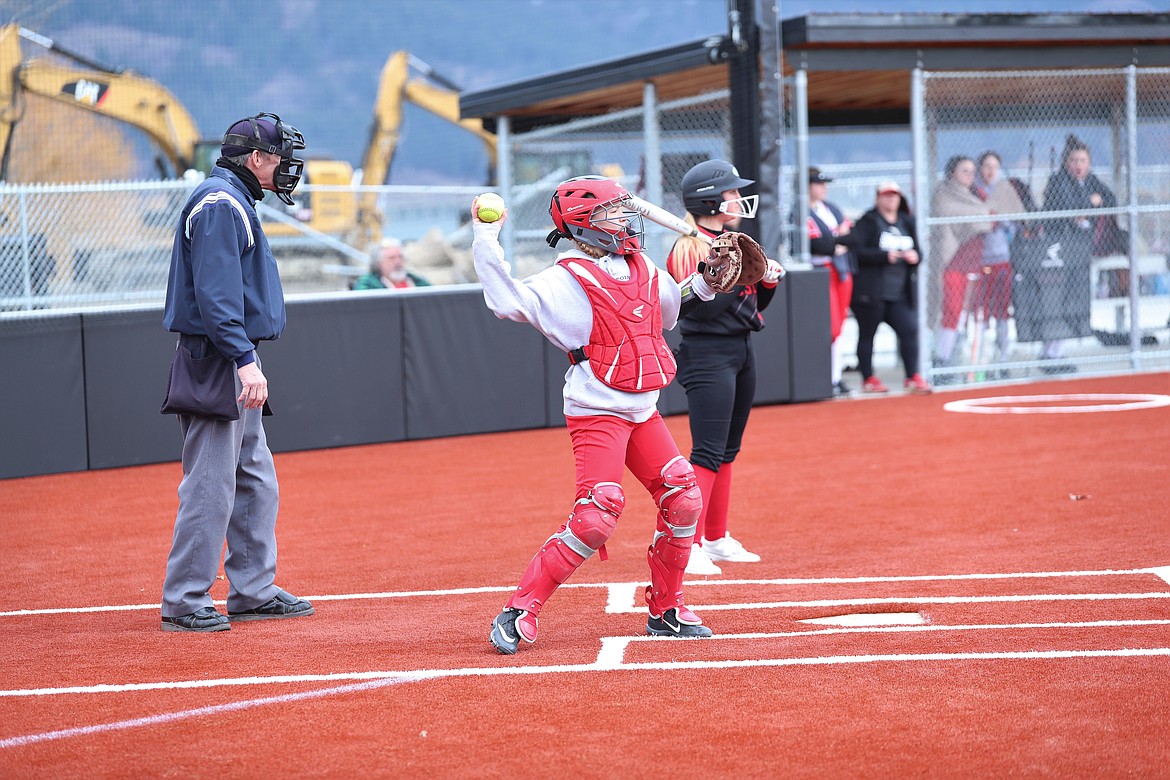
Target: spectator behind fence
column 978, row 280
column 958, row 248
column 885, row 286
column 388, row 269
column 829, row 240
column 1074, row 187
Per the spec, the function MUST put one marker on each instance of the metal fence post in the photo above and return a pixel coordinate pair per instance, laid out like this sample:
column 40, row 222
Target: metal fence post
column 1131, row 142
column 801, row 100
column 919, row 170
column 504, row 166
column 26, row 251
column 652, row 138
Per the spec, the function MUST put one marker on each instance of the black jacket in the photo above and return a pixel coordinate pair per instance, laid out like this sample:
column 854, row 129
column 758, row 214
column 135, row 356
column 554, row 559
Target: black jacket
column 1086, row 232
column 873, row 262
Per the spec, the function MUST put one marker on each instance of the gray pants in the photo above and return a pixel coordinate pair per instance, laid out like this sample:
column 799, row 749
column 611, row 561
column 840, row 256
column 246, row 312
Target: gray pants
column 228, row 492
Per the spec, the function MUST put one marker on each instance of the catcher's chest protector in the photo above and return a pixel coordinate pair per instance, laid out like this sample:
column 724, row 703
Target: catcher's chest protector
column 626, row 349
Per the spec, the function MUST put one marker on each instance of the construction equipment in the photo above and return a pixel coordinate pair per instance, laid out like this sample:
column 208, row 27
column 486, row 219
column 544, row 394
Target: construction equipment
column 358, row 221
column 146, row 105
column 119, row 94
column 397, row 87
column 334, row 211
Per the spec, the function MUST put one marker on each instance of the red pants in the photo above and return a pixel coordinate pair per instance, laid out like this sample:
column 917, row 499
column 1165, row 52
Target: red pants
column 603, row 446
column 840, row 293
column 990, row 291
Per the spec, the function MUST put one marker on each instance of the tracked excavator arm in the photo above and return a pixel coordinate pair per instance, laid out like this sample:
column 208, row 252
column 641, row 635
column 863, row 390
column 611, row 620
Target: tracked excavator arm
column 122, row 95
column 405, row 79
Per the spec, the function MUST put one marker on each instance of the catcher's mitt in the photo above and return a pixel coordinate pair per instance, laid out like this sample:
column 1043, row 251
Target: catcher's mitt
column 734, row 258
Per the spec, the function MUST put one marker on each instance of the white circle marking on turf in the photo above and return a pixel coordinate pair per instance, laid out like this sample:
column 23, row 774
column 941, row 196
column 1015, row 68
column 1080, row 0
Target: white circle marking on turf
column 1106, row 402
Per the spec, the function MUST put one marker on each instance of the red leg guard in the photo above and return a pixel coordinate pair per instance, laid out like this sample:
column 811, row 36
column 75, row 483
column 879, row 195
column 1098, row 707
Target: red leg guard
column 716, row 504
column 592, row 522
column 706, row 480
column 551, row 566
column 668, row 561
column 594, row 519
column 680, row 503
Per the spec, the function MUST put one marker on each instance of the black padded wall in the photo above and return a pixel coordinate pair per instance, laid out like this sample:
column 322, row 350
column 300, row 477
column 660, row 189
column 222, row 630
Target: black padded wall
column 80, row 392
column 127, row 362
column 772, row 351
column 810, row 336
column 42, row 396
column 336, row 374
column 468, row 371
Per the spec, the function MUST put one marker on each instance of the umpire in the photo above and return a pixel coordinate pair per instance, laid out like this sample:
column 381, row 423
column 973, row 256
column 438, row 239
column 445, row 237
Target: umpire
column 223, row 298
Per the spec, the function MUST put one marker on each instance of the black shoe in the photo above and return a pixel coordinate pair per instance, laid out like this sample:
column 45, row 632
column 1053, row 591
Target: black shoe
column 282, row 605
column 670, row 625
column 205, row 619
column 842, row 390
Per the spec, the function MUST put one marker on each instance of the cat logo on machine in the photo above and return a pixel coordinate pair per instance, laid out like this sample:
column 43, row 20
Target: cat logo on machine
column 85, row 91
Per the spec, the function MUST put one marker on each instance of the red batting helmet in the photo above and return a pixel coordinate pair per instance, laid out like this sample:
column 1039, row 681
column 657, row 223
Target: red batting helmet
column 595, row 211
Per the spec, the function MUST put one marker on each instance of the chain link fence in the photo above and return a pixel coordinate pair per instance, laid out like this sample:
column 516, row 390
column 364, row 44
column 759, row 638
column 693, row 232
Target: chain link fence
column 77, row 245
column 109, row 244
column 1060, row 299
column 647, row 149
column 1048, row 195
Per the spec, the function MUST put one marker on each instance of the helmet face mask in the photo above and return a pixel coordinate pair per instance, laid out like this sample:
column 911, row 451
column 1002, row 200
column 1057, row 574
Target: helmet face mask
column 703, row 187
column 744, row 206
column 288, row 174
column 597, row 212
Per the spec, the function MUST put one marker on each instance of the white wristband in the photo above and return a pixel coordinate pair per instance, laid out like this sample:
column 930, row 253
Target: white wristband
column 701, row 288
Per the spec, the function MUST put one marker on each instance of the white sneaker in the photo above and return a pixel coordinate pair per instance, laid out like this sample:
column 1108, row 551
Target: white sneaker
column 727, row 549
column 699, row 563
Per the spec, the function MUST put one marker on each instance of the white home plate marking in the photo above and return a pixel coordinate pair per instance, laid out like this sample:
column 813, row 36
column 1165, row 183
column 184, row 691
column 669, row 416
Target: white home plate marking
column 1103, row 402
column 870, row 619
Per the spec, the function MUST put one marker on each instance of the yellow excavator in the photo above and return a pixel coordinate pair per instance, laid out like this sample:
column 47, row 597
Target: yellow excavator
column 397, row 87
column 146, row 105
column 118, row 94
column 358, row 221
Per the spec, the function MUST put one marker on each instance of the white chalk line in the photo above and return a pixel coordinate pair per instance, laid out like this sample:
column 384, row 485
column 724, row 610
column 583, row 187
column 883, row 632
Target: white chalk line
column 869, row 602
column 1162, row 572
column 171, row 717
column 382, row 679
column 607, row 652
column 1118, row 402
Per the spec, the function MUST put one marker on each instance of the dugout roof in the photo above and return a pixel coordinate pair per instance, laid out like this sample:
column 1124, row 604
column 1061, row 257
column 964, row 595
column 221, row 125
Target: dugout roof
column 858, row 65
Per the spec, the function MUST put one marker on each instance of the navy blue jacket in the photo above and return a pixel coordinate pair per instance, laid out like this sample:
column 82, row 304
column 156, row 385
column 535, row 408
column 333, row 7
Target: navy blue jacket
column 224, row 282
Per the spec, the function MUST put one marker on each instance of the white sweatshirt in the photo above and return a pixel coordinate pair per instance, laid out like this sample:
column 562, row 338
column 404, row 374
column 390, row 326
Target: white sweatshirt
column 553, row 302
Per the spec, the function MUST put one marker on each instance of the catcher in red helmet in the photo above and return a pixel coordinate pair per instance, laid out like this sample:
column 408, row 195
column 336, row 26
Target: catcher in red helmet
column 605, row 305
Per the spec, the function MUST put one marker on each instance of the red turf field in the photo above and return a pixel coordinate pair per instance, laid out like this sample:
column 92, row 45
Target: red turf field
column 1056, row 666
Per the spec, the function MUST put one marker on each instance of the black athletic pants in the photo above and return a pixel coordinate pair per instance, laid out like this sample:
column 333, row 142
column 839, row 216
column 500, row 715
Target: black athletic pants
column 719, row 376
column 900, row 316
